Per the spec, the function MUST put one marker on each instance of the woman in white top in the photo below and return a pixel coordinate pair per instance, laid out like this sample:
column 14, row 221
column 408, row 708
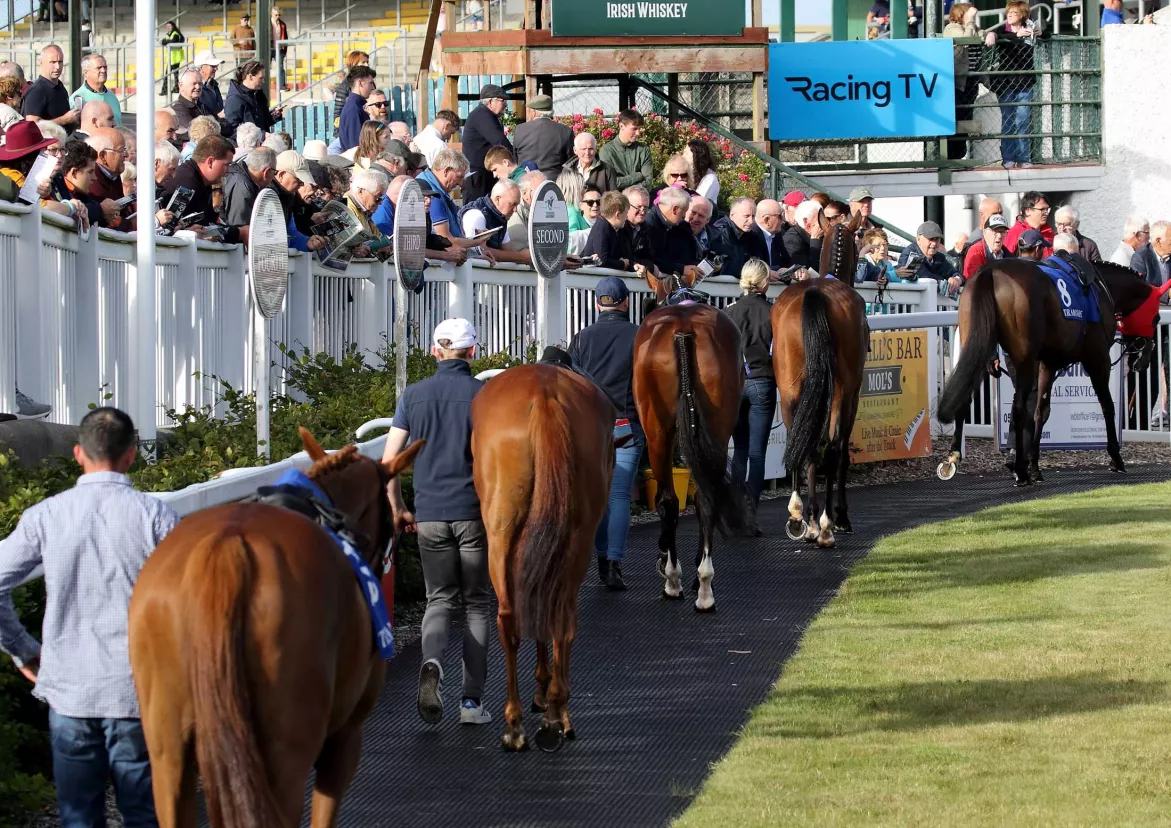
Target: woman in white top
column 701, row 175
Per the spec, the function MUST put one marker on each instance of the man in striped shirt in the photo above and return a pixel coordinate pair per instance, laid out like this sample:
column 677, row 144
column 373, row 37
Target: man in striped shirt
column 92, row 541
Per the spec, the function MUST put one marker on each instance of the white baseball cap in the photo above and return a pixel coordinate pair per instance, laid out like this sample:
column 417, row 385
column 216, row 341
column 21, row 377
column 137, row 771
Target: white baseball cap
column 294, row 162
column 459, row 332
column 205, row 58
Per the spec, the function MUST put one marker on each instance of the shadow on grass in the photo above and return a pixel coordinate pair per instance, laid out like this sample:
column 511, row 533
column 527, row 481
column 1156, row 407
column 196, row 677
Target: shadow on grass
column 908, row 707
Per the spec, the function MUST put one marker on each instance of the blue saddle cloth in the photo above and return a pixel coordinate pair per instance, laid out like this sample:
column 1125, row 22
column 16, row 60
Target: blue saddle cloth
column 295, row 480
column 1079, row 304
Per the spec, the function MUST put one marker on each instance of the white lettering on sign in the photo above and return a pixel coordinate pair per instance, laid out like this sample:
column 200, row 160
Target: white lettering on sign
column 646, row 10
column 548, row 236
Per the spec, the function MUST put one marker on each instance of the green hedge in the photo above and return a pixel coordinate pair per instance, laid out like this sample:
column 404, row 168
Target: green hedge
column 334, row 397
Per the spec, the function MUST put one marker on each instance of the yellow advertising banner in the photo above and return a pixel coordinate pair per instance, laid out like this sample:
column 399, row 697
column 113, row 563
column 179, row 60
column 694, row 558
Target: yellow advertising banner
column 893, row 422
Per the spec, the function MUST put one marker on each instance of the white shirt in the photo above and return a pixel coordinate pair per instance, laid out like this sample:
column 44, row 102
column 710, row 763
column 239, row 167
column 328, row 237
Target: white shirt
column 709, row 187
column 768, row 243
column 430, row 143
column 474, row 223
column 1122, row 254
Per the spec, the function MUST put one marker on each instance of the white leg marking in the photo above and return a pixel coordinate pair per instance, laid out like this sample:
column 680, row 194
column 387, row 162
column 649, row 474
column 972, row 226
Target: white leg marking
column 706, row 572
column 795, row 506
column 826, row 537
column 673, row 587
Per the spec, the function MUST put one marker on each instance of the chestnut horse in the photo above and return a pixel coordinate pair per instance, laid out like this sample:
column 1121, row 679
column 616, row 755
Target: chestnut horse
column 253, row 652
column 1011, row 303
column 688, row 375
column 543, row 449
column 820, row 339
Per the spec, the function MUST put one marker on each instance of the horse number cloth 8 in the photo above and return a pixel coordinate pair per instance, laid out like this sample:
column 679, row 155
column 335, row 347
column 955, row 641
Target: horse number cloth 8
column 1077, row 304
column 370, row 586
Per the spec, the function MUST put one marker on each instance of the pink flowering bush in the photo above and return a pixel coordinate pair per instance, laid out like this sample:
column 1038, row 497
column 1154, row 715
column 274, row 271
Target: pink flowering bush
column 741, row 173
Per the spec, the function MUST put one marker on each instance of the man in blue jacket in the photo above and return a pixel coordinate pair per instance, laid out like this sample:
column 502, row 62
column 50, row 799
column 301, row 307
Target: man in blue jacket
column 361, row 79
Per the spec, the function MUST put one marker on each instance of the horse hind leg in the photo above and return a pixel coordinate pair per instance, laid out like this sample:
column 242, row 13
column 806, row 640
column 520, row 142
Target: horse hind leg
column 173, row 770
column 514, row 729
column 795, row 527
column 335, row 771
column 555, row 725
column 812, row 530
column 704, row 570
column 542, row 676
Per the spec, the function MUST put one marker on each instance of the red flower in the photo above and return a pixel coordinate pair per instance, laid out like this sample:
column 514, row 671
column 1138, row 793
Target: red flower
column 607, row 133
column 578, row 118
column 742, row 177
column 577, row 127
column 598, row 111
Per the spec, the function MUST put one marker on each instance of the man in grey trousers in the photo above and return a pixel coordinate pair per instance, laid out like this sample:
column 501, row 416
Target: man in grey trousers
column 453, row 546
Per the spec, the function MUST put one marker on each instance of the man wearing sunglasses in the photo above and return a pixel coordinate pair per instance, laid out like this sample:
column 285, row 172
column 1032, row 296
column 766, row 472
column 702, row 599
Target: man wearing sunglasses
column 376, row 106
column 1034, row 216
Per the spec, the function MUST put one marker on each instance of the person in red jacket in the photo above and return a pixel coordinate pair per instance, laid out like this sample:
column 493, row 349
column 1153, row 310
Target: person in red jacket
column 989, row 248
column 1034, row 216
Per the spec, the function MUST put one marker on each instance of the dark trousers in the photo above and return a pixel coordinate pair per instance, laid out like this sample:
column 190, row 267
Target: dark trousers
column 957, row 147
column 476, row 184
column 87, row 753
column 758, row 404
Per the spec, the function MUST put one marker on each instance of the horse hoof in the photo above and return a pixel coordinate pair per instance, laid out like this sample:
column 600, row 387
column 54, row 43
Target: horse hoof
column 946, row 470
column 571, row 734
column 823, row 544
column 1037, row 476
column 796, row 529
column 669, row 597
column 550, row 737
column 514, row 741
column 843, row 528
column 705, row 608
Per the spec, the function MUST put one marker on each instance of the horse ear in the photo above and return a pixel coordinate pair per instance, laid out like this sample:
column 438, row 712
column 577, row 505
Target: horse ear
column 312, row 448
column 403, row 460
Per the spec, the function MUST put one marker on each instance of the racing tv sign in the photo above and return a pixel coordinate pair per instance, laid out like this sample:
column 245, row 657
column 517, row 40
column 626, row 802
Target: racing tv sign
column 861, row 89
column 693, row 18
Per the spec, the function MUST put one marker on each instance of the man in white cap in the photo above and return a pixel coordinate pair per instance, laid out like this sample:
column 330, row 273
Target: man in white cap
column 210, row 97
column 453, row 546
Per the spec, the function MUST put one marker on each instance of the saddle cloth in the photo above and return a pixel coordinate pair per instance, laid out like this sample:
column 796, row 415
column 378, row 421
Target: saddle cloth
column 1078, row 303
column 293, row 490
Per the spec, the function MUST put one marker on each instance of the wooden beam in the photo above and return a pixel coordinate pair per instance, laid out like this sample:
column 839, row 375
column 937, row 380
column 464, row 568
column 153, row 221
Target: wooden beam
column 757, row 12
column 543, row 38
column 451, row 93
column 429, row 37
column 758, row 124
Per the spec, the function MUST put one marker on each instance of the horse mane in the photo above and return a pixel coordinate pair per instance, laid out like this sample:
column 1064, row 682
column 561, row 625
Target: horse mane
column 333, row 463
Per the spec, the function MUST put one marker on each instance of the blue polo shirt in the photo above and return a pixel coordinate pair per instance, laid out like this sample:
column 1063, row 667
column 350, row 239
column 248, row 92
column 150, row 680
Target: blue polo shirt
column 1111, row 17
column 439, row 410
column 383, row 217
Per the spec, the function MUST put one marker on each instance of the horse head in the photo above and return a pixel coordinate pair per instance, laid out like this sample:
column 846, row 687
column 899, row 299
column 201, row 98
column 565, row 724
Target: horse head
column 356, row 486
column 1136, row 309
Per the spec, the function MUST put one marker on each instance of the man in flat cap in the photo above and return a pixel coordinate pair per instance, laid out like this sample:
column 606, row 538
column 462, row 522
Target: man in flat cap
column 482, row 131
column 545, row 142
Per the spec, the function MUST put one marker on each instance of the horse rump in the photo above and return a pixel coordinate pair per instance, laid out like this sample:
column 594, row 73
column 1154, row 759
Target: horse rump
column 727, row 501
column 545, row 600
column 811, row 416
column 980, row 340
column 235, row 779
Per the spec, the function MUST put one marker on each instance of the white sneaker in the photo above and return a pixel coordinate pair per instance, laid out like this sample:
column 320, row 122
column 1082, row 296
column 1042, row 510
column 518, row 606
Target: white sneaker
column 473, row 714
column 430, row 700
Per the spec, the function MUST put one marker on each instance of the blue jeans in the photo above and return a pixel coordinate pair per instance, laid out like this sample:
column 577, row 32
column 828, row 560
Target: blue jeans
column 86, row 754
column 1015, row 120
column 610, row 540
column 758, row 404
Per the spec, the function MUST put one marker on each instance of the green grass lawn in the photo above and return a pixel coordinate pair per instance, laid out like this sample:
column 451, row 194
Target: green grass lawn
column 1011, row 667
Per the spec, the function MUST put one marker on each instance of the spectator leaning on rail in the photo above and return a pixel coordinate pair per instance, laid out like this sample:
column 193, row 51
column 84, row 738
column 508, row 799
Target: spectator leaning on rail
column 438, row 247
column 518, row 225
column 1135, row 233
column 204, row 170
column 923, row 257
column 989, row 248
column 92, row 541
column 482, row 131
column 453, row 547
column 768, row 228
column 47, row 98
column 548, row 143
column 752, row 314
column 670, row 245
column 605, row 239
column 293, row 182
column 110, row 146
column 735, row 237
column 93, row 88
column 1067, row 219
column 630, row 160
column 361, row 80
column 1034, row 216
column 803, row 239
column 244, row 181
column 492, row 212
column 604, row 352
column 445, row 175
column 633, row 236
column 698, row 216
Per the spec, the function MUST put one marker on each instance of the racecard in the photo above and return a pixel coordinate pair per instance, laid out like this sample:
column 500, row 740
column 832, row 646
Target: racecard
column 861, row 89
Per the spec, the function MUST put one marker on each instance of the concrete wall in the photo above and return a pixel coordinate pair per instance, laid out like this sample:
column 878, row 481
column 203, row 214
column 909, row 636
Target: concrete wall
column 1136, row 133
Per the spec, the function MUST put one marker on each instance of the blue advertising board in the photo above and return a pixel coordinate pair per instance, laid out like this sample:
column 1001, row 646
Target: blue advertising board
column 861, row 89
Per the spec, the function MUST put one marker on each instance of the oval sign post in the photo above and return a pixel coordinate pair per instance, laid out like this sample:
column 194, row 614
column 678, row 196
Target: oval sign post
column 268, row 272
column 548, row 230
column 410, row 251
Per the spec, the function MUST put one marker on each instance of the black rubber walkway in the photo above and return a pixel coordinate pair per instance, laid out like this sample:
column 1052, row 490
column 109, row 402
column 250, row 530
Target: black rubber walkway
column 658, row 691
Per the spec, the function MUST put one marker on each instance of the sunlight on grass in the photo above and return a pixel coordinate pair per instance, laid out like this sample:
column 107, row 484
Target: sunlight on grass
column 1011, row 667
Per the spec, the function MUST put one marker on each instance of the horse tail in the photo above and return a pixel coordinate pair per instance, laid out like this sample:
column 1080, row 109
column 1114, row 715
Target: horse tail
column 233, row 769
column 817, row 388
column 545, row 599
column 727, row 503
column 981, row 338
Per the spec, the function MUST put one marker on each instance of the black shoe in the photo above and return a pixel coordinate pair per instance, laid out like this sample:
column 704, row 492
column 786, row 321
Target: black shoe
column 603, row 568
column 614, row 577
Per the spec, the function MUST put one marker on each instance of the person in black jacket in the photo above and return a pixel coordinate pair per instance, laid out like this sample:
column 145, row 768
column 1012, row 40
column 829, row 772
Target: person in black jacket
column 803, row 239
column 604, row 240
column 247, row 101
column 669, row 240
column 632, row 238
column 604, row 352
column 758, row 401
column 244, row 181
column 201, row 173
column 733, row 238
column 482, row 131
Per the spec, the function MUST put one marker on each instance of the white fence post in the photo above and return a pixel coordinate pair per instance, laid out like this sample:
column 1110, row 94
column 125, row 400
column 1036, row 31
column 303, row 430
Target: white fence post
column 143, row 324
column 32, row 357
column 87, row 364
column 929, row 302
column 461, row 298
column 551, row 312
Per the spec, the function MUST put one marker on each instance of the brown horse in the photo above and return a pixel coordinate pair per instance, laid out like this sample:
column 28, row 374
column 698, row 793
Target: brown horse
column 688, row 375
column 543, row 449
column 1014, row 304
column 820, row 339
column 253, row 652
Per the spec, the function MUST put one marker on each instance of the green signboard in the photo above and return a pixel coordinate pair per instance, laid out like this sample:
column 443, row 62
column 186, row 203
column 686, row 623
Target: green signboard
column 693, row 18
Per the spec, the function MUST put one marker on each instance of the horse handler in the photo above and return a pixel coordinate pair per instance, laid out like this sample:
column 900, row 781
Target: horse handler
column 604, row 352
column 92, row 541
column 453, row 545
